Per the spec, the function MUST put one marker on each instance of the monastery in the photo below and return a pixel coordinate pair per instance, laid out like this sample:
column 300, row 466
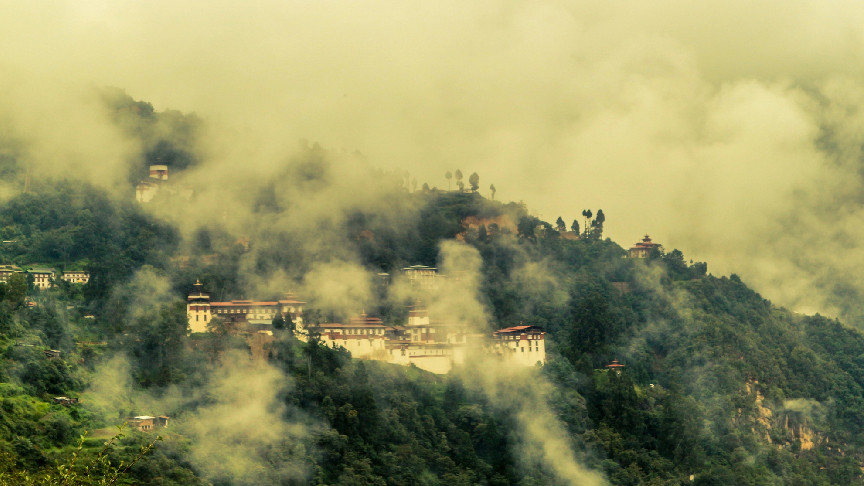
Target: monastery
column 429, row 344
column 239, row 315
column 643, row 248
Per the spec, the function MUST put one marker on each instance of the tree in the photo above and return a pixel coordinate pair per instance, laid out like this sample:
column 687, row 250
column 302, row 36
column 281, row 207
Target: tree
column 474, row 180
column 278, row 322
column 492, row 188
column 560, row 223
column 289, row 322
column 597, row 225
column 575, row 227
column 458, row 176
column 586, row 213
column 448, row 176
column 16, row 289
column 425, row 187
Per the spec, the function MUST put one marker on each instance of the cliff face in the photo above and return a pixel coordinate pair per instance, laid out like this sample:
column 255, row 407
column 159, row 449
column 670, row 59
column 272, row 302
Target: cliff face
column 785, row 428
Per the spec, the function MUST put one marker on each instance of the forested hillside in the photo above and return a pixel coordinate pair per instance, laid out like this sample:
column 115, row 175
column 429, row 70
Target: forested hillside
column 718, row 386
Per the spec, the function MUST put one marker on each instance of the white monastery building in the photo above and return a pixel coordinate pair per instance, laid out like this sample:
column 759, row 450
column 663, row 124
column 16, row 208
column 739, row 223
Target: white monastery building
column 429, row 344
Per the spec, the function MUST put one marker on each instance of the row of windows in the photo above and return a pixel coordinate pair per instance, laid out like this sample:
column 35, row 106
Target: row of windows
column 363, row 332
column 245, row 311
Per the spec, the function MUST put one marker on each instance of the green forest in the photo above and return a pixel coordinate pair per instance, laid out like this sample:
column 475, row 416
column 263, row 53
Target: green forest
column 719, row 386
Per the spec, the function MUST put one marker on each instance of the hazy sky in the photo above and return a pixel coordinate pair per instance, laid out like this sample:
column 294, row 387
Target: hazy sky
column 729, row 129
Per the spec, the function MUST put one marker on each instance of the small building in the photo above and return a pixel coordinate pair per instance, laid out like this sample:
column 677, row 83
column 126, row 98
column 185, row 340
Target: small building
column 147, row 189
column 65, row 401
column 159, row 172
column 52, row 353
column 146, row 423
column 615, row 366
column 643, row 248
column 43, row 278
column 7, row 271
column 523, row 345
column 76, row 276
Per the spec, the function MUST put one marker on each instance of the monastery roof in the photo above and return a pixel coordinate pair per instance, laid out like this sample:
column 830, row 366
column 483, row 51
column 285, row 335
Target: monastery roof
column 241, row 303
column 645, row 243
column 519, row 329
column 291, row 301
column 418, row 267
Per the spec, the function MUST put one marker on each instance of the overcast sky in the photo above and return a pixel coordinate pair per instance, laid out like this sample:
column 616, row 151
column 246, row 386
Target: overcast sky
column 731, row 130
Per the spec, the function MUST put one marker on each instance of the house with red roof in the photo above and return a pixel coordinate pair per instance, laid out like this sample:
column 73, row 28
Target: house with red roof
column 643, row 248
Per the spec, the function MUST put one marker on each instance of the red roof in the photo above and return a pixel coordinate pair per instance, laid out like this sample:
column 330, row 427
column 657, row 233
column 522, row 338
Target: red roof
column 518, row 329
column 615, row 364
column 646, row 243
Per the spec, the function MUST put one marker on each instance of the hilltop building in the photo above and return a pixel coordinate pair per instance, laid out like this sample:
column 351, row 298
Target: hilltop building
column 157, row 182
column 146, row 190
column 643, row 248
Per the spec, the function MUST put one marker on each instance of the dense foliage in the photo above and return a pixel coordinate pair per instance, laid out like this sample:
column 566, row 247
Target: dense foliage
column 718, row 383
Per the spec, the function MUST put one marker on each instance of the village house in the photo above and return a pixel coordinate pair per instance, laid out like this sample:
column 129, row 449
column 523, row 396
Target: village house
column 7, row 271
column 146, row 423
column 65, row 401
column 76, row 276
column 643, row 248
column 43, row 278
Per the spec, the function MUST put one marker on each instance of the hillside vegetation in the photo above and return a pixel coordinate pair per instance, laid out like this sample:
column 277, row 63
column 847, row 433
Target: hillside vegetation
column 719, row 386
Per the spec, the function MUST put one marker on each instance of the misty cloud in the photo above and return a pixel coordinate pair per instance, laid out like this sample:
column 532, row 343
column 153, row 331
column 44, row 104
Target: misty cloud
column 728, row 130
column 241, row 435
